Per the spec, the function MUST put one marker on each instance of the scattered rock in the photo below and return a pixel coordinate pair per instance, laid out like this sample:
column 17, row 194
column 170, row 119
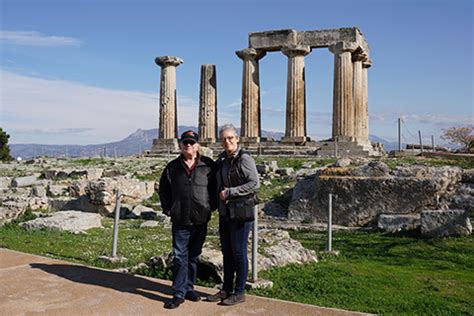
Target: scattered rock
column 149, row 224
column 444, row 223
column 5, row 182
column 392, row 223
column 362, row 193
column 24, row 181
column 73, row 221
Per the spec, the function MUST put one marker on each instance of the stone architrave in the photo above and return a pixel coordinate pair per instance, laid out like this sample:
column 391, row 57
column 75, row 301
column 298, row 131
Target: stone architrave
column 208, row 105
column 295, row 127
column 360, row 110
column 168, row 101
column 343, row 110
column 250, row 113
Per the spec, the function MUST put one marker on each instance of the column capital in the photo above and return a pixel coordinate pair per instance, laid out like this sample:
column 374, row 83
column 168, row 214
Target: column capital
column 250, row 54
column 295, row 50
column 342, row 47
column 367, row 63
column 359, row 55
column 168, row 61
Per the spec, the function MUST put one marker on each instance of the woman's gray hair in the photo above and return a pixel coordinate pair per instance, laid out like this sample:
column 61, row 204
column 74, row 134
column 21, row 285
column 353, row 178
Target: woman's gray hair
column 228, row 127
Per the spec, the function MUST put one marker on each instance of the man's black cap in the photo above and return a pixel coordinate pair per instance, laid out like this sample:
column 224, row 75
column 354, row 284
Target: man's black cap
column 190, row 135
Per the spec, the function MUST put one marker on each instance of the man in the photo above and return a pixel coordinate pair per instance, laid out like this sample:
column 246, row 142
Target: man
column 188, row 194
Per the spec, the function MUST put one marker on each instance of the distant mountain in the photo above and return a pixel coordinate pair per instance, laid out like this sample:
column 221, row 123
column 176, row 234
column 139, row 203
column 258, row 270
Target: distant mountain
column 389, row 146
column 135, row 143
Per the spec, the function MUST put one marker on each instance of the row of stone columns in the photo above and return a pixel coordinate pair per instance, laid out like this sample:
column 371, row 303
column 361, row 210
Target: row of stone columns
column 350, row 98
column 168, row 118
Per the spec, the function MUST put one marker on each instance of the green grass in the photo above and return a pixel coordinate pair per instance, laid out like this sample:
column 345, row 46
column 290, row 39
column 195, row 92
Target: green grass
column 90, row 162
column 136, row 244
column 275, row 190
column 295, row 163
column 382, row 274
column 464, row 163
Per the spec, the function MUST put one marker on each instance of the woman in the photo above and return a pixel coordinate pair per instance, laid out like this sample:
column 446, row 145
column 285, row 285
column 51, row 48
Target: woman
column 236, row 177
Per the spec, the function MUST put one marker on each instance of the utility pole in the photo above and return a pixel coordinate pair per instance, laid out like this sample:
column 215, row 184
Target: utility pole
column 399, row 135
column 433, row 143
column 421, row 141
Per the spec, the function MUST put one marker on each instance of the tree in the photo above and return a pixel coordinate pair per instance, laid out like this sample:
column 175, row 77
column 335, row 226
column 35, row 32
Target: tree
column 460, row 135
column 4, row 149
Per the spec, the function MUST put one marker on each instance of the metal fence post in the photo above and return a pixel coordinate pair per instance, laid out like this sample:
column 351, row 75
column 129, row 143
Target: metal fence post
column 116, row 221
column 255, row 244
column 329, row 248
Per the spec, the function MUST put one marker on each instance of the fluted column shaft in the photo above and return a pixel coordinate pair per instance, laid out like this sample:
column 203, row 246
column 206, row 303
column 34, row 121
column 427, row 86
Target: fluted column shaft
column 343, row 110
column 364, row 125
column 359, row 111
column 208, row 105
column 250, row 112
column 168, row 121
column 295, row 126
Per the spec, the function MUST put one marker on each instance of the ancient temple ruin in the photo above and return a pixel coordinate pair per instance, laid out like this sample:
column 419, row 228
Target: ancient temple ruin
column 350, row 95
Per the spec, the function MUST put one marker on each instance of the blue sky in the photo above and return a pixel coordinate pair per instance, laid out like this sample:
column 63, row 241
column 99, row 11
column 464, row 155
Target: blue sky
column 83, row 72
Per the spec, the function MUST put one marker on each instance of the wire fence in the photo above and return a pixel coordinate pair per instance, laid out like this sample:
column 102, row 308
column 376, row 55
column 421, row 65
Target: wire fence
column 415, row 140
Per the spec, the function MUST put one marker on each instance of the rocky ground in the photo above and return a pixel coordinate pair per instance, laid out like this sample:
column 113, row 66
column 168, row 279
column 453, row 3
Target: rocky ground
column 74, row 194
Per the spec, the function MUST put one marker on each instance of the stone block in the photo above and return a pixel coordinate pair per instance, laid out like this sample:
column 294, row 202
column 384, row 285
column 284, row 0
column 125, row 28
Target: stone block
column 39, row 191
column 392, row 223
column 57, row 189
column 24, row 181
column 72, row 221
column 445, row 223
column 5, row 182
column 285, row 171
column 272, row 40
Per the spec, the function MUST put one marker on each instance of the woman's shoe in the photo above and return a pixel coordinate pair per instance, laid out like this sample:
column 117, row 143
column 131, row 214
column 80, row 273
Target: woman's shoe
column 219, row 296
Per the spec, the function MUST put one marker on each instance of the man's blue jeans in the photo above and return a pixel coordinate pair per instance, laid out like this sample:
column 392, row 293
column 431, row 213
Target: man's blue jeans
column 187, row 246
column 234, row 237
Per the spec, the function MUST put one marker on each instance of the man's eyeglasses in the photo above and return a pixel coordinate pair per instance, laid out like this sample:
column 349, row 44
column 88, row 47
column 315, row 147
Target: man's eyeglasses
column 188, row 142
column 228, row 138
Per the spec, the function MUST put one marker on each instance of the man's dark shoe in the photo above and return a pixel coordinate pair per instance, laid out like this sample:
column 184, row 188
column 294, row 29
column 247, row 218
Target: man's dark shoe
column 174, row 303
column 234, row 299
column 192, row 296
column 219, row 296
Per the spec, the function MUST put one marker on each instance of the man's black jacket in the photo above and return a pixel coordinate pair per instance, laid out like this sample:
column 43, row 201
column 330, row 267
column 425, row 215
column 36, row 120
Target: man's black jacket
column 189, row 199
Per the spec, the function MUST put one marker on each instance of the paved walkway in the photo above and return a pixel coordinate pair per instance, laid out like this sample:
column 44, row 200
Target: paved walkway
column 32, row 284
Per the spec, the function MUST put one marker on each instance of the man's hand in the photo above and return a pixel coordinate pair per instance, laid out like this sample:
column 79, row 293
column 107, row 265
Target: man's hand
column 223, row 194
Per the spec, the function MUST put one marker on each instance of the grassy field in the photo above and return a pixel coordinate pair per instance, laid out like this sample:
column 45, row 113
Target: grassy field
column 376, row 273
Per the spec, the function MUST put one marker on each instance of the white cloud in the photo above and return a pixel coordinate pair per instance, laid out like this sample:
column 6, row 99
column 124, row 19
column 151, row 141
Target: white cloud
column 33, row 38
column 38, row 110
column 423, row 118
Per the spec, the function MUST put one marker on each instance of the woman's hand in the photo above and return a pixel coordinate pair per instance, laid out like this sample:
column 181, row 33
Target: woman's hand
column 223, row 194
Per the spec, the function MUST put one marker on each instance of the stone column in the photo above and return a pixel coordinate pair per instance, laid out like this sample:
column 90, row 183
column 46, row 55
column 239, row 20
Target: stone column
column 360, row 112
column 295, row 126
column 250, row 128
column 168, row 126
column 343, row 110
column 364, row 129
column 208, row 105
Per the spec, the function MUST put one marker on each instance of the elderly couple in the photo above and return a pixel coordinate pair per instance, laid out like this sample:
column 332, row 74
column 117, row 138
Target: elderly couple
column 193, row 185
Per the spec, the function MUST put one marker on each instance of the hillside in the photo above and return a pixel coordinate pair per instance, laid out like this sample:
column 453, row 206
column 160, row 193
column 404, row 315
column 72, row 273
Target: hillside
column 133, row 144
